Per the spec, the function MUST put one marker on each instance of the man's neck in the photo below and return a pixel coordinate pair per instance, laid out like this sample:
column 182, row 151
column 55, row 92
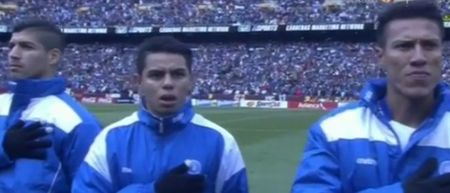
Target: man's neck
column 410, row 112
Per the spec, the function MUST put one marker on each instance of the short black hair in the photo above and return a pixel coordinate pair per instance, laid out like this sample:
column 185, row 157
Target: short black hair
column 48, row 34
column 410, row 9
column 162, row 44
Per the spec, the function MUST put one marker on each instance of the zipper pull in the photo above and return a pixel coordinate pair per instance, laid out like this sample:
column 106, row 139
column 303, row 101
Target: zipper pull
column 161, row 126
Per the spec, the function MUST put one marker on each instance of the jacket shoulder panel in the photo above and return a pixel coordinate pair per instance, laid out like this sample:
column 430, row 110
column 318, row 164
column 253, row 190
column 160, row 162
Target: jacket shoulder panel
column 356, row 123
column 53, row 110
column 5, row 103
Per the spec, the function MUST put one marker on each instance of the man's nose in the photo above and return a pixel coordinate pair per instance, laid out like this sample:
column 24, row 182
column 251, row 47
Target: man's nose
column 168, row 82
column 418, row 58
column 14, row 53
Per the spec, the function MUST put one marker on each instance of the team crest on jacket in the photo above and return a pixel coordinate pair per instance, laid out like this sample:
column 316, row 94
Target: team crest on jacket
column 195, row 167
column 444, row 167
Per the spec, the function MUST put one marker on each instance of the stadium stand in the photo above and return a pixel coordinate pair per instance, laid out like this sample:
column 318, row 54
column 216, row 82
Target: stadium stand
column 325, row 70
column 95, row 13
column 329, row 70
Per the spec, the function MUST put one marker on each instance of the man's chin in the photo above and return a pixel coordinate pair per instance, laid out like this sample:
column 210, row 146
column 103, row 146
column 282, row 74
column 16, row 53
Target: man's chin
column 15, row 76
column 417, row 93
column 167, row 111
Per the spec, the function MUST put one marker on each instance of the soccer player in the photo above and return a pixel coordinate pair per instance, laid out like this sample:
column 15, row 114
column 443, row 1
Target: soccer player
column 44, row 133
column 164, row 147
column 396, row 138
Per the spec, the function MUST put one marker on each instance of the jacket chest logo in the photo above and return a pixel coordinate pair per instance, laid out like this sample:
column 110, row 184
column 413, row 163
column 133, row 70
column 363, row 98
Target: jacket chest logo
column 444, row 167
column 195, row 167
column 366, row 161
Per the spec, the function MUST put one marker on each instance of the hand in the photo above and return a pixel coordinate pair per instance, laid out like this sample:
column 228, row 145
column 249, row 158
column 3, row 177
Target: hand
column 422, row 180
column 25, row 142
column 178, row 181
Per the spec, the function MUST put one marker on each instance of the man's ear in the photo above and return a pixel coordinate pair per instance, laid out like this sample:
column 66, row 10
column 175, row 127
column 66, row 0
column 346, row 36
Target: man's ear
column 192, row 79
column 136, row 81
column 54, row 56
column 380, row 55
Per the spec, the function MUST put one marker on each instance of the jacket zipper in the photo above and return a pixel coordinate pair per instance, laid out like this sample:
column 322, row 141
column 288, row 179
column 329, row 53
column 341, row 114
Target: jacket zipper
column 398, row 150
column 53, row 184
column 161, row 126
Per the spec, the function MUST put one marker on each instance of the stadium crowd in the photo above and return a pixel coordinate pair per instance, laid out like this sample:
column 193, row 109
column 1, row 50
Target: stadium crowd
column 99, row 13
column 325, row 69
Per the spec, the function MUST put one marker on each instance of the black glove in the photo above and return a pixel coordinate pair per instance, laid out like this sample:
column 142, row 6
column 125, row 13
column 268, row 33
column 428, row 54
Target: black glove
column 178, row 181
column 422, row 180
column 26, row 142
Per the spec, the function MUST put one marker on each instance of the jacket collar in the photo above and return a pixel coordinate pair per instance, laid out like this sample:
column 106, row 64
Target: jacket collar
column 26, row 90
column 374, row 92
column 34, row 88
column 164, row 125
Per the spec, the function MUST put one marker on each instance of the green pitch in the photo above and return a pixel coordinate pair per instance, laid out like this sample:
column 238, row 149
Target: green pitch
column 270, row 140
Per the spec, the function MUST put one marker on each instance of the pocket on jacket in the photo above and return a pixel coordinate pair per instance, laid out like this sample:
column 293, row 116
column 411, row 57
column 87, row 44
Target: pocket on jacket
column 364, row 174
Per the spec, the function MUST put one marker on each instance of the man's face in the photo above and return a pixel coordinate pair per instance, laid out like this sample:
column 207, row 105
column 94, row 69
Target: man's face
column 28, row 58
column 165, row 83
column 412, row 56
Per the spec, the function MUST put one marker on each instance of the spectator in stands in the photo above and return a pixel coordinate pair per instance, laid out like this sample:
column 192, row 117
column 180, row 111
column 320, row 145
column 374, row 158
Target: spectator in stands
column 395, row 139
column 181, row 151
column 44, row 133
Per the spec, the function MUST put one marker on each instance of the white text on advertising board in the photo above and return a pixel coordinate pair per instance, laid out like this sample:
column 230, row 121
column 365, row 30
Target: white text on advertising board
column 265, row 28
column 325, row 27
column 169, row 29
column 298, row 27
column 309, row 105
column 268, row 104
column 140, row 30
column 195, row 29
column 218, row 29
column 352, row 26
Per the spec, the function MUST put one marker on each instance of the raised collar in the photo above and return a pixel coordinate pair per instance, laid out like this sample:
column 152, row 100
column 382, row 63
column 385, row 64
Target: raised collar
column 169, row 124
column 34, row 88
column 374, row 92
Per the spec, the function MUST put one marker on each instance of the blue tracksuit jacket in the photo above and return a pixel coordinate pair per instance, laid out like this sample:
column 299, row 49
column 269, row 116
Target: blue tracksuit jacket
column 355, row 150
column 73, row 130
column 131, row 154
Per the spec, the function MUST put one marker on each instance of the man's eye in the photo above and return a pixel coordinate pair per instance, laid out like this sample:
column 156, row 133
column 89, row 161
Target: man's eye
column 430, row 45
column 403, row 46
column 26, row 46
column 155, row 75
column 178, row 74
